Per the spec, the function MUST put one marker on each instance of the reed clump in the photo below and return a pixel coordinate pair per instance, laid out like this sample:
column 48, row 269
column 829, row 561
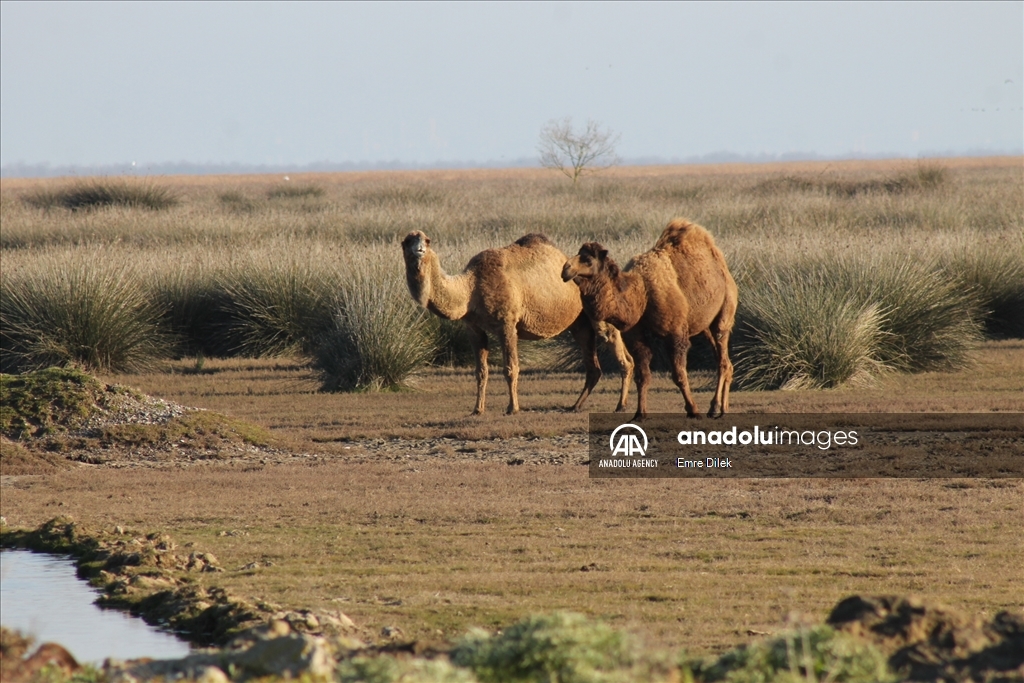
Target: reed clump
column 76, row 312
column 376, row 338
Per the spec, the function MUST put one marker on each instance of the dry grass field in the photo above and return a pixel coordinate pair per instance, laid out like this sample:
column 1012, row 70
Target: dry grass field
column 400, row 509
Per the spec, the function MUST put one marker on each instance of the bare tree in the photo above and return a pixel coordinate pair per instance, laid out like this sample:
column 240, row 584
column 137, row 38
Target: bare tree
column 574, row 154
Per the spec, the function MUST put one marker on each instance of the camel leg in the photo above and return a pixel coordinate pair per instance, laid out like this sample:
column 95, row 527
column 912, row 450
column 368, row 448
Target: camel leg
column 478, row 338
column 680, row 346
column 720, row 404
column 583, row 332
column 625, row 362
column 641, row 351
column 510, row 346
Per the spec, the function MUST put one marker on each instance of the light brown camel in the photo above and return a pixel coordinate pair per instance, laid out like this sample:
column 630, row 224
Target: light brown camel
column 678, row 289
column 512, row 293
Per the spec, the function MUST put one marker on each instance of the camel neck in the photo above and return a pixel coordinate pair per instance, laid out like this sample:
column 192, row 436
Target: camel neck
column 443, row 294
column 619, row 301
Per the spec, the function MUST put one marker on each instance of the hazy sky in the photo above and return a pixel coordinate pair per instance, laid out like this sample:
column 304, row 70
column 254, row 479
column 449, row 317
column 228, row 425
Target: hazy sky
column 100, row 83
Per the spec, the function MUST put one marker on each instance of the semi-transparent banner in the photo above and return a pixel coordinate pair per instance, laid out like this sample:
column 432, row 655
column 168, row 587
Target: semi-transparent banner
column 804, row 445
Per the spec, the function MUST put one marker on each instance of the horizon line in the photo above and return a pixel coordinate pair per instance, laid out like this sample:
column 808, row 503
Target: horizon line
column 46, row 170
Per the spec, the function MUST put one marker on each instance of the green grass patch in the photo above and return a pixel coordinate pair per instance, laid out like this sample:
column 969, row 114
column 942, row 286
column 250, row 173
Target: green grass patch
column 386, row 669
column 563, row 647
column 815, row 653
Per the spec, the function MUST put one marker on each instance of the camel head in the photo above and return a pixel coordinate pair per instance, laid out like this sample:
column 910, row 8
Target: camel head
column 414, row 248
column 591, row 261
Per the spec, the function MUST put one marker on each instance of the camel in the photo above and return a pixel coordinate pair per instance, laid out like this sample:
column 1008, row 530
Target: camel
column 675, row 291
column 511, row 293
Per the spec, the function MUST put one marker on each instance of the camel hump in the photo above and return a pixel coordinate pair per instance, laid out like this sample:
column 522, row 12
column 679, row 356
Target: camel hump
column 533, row 239
column 679, row 231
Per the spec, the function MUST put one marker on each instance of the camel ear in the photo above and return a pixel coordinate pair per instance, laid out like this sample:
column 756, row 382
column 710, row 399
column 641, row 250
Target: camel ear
column 427, row 241
column 602, row 254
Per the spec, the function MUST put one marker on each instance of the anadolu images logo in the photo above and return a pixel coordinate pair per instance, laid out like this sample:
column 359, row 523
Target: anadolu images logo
column 628, row 443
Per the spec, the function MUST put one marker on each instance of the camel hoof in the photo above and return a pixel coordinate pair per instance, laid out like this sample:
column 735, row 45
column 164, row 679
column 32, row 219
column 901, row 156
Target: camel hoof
column 694, row 416
column 620, row 409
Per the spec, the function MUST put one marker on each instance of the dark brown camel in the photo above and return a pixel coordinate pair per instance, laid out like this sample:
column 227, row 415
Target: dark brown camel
column 678, row 289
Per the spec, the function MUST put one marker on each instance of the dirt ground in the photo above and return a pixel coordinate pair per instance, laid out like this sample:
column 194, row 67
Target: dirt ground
column 401, row 510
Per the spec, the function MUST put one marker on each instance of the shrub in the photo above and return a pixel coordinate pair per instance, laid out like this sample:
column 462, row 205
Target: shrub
column 803, row 334
column 99, row 193
column 929, row 323
column 77, row 312
column 562, row 647
column 807, row 654
column 825, row 322
column 994, row 272
column 378, row 337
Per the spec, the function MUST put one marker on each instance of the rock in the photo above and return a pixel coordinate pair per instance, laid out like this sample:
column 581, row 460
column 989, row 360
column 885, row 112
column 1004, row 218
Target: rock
column 119, row 530
column 211, row 674
column 391, row 632
column 151, row 582
column 290, row 655
column 278, row 627
column 349, row 644
column 933, row 642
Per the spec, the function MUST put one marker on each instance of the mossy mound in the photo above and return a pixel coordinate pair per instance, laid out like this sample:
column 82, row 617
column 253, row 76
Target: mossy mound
column 60, row 410
column 47, row 401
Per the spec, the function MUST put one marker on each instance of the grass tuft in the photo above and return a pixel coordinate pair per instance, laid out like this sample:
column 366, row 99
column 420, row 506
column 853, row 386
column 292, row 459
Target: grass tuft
column 295, row 191
column 800, row 334
column 994, row 273
column 100, row 193
column 73, row 312
column 395, row 195
column 823, row 322
column 378, row 337
column 279, row 306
